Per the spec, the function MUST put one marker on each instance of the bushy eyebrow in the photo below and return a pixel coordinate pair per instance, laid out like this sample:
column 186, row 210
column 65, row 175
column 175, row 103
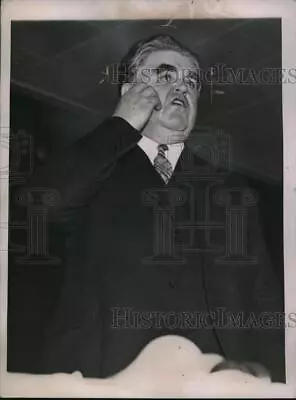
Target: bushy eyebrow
column 165, row 68
column 190, row 73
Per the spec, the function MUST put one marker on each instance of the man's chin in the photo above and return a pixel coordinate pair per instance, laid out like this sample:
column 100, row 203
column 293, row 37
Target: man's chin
column 174, row 124
column 176, row 137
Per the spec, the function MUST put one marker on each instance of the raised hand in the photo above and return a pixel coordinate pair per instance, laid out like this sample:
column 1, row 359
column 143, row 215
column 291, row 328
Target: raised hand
column 137, row 105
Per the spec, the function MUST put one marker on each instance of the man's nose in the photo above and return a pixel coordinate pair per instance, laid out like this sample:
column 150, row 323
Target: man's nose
column 181, row 87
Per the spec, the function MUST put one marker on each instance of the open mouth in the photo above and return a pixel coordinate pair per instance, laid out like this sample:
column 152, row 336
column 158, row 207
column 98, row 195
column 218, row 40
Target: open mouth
column 179, row 102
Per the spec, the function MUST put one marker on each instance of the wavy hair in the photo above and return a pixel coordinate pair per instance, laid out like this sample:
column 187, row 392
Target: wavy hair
column 141, row 50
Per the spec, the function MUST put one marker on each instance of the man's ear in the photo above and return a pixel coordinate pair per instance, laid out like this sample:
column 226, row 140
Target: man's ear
column 124, row 88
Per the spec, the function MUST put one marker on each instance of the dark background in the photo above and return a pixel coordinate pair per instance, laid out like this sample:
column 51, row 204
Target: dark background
column 56, row 98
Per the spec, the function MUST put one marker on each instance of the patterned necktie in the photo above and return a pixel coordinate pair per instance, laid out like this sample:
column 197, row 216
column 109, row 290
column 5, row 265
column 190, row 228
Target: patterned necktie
column 162, row 164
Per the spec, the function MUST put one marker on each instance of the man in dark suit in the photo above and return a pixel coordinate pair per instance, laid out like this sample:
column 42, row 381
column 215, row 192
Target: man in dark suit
column 158, row 241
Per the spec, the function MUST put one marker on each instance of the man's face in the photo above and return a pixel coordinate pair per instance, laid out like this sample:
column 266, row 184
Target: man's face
column 175, row 78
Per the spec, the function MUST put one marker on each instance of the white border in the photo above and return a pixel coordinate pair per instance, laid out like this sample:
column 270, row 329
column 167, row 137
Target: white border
column 156, row 9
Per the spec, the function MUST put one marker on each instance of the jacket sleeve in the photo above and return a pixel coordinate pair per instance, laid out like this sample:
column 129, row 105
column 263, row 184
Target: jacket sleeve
column 71, row 338
column 76, row 172
column 268, row 295
column 249, row 287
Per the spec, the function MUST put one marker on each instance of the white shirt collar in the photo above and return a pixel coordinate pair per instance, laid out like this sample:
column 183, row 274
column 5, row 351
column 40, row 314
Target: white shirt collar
column 149, row 146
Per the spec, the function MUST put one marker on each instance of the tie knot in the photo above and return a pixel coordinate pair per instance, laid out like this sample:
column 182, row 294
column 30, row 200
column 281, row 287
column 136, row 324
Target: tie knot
column 162, row 148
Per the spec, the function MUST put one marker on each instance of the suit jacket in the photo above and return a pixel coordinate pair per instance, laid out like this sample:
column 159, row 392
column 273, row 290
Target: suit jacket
column 139, row 250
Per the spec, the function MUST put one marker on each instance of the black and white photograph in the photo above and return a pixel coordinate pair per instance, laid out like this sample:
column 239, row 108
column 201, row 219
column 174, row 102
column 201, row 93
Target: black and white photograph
column 146, row 198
